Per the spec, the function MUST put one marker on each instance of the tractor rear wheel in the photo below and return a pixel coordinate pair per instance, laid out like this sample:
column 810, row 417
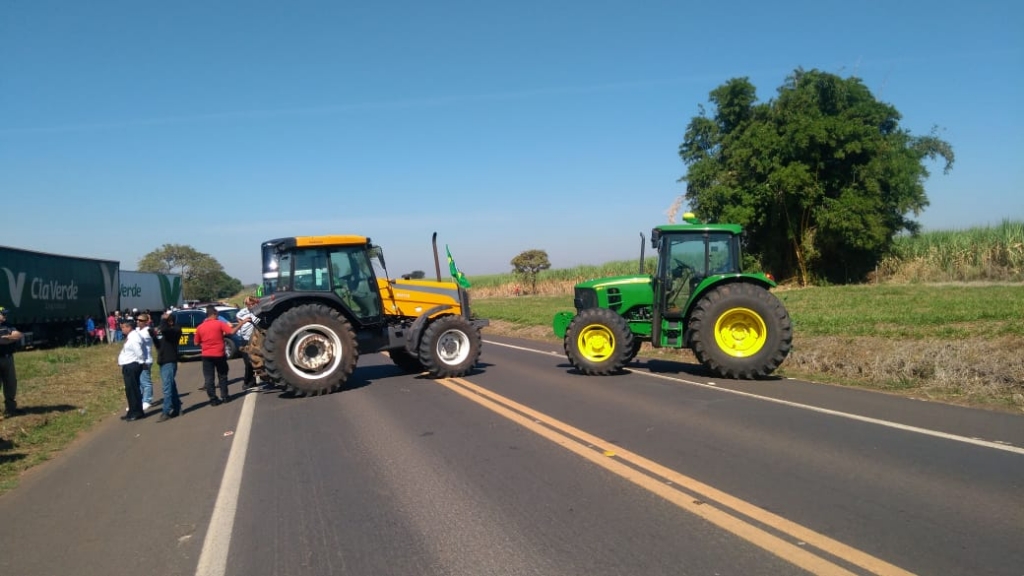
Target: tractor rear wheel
column 450, row 347
column 637, row 344
column 406, row 361
column 740, row 330
column 310, row 348
column 598, row 342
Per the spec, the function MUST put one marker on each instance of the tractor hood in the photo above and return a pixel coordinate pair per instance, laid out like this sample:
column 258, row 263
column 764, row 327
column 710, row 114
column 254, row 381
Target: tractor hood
column 620, row 293
column 599, row 283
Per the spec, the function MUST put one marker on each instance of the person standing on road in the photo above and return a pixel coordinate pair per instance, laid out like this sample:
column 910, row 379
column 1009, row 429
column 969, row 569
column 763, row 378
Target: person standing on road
column 131, row 359
column 10, row 339
column 209, row 336
column 145, row 329
column 246, row 317
column 167, row 357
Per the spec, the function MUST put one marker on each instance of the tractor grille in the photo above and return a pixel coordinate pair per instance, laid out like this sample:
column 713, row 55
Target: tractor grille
column 614, row 298
column 585, row 298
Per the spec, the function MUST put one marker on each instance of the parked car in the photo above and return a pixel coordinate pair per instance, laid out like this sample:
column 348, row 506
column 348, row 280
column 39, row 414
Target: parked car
column 189, row 319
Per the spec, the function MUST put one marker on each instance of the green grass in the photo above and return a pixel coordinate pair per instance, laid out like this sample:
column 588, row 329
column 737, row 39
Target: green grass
column 913, row 311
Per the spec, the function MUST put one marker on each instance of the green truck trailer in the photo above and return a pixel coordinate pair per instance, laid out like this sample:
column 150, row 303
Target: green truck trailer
column 48, row 296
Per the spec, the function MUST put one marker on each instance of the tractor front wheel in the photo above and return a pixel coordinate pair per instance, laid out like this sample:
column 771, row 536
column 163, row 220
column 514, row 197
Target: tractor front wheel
column 740, row 330
column 450, row 347
column 311, row 348
column 598, row 342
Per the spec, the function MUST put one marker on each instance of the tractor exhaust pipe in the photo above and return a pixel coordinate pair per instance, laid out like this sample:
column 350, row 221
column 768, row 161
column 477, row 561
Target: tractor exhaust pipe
column 437, row 261
column 642, row 242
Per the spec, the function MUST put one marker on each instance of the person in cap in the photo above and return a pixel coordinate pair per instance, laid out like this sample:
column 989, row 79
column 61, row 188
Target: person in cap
column 245, row 331
column 143, row 325
column 10, row 339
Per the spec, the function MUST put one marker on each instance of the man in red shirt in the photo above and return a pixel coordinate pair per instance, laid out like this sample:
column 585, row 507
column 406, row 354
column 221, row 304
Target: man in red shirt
column 209, row 336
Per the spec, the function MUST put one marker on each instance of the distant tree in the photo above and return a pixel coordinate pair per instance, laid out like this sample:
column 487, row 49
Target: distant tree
column 822, row 177
column 202, row 277
column 415, row 275
column 528, row 264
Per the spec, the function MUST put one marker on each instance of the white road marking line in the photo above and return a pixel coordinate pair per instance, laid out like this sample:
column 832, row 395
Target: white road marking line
column 997, row 445
column 213, row 559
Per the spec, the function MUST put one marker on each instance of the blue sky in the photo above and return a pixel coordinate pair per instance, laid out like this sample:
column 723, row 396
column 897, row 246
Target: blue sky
column 126, row 125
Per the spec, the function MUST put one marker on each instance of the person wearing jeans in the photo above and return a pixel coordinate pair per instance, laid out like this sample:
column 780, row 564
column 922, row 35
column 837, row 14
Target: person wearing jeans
column 167, row 357
column 145, row 329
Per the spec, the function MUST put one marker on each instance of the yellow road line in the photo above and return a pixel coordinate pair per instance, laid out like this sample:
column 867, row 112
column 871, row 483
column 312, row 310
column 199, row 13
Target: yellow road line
column 598, row 450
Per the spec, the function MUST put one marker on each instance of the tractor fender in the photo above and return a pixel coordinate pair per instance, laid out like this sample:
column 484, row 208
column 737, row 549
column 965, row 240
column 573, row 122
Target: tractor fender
column 560, row 323
column 714, row 281
column 412, row 343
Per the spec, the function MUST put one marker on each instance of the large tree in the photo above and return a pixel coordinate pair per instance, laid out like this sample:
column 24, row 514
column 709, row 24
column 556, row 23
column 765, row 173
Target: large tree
column 528, row 264
column 202, row 277
column 822, row 177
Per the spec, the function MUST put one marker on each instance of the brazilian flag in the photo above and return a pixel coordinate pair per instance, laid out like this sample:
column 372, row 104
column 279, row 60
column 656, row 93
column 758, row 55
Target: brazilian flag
column 456, row 273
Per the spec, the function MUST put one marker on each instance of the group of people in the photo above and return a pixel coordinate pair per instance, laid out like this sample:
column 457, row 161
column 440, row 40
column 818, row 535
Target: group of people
column 136, row 359
column 114, row 334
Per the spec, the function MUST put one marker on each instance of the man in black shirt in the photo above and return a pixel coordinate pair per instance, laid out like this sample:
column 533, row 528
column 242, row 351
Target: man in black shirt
column 168, row 335
column 10, row 339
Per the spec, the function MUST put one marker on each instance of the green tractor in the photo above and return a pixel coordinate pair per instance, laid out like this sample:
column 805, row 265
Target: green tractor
column 699, row 298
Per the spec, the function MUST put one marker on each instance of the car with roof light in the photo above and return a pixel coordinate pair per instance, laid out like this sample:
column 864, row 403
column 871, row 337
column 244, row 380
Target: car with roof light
column 188, row 319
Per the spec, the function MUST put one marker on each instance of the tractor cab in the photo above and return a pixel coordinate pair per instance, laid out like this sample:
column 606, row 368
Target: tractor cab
column 687, row 256
column 325, row 265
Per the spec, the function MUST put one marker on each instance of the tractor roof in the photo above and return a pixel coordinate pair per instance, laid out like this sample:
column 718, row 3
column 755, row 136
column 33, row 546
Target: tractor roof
column 329, row 240
column 690, row 228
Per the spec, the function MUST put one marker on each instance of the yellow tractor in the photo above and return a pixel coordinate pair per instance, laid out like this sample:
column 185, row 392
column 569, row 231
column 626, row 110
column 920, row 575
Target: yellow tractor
column 323, row 304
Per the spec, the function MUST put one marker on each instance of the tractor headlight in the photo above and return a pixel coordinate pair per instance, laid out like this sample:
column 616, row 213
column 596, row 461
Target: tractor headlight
column 585, row 298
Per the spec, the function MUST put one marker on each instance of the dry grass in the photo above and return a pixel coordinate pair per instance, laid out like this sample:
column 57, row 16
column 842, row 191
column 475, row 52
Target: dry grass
column 981, row 373
column 978, row 373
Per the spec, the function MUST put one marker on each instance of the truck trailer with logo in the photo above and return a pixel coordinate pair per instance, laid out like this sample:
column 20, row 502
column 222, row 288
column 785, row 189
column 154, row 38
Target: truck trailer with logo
column 48, row 297
column 149, row 291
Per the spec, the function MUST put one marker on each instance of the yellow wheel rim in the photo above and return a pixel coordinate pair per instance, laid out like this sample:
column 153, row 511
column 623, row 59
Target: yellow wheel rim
column 596, row 342
column 740, row 332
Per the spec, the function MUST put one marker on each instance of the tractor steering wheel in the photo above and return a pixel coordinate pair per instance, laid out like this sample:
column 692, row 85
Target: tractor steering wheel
column 679, row 268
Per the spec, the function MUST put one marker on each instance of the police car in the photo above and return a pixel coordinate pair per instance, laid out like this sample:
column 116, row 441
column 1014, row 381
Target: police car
column 188, row 319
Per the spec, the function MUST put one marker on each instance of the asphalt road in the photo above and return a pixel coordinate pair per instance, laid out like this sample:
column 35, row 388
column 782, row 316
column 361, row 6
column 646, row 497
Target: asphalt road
column 526, row 467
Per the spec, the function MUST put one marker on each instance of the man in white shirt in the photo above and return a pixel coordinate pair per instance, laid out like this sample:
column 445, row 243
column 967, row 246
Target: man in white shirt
column 245, row 333
column 131, row 360
column 144, row 327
